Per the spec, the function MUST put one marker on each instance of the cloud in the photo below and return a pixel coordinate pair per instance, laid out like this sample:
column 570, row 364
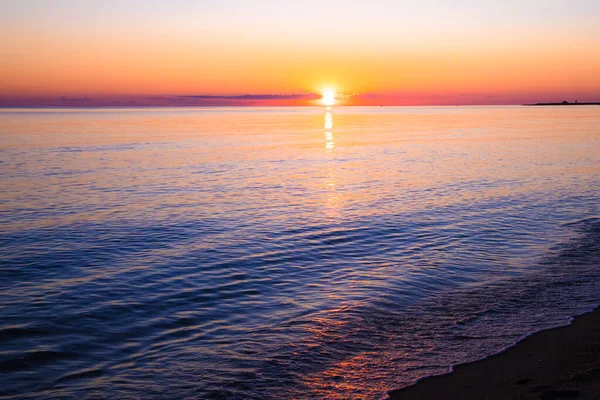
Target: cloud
column 302, row 96
column 63, row 98
column 344, row 96
column 364, row 95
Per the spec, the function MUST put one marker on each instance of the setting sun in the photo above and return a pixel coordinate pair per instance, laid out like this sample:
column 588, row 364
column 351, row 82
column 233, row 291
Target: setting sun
column 328, row 97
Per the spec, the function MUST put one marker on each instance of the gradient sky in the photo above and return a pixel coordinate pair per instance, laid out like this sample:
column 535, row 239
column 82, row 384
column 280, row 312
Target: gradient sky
column 393, row 52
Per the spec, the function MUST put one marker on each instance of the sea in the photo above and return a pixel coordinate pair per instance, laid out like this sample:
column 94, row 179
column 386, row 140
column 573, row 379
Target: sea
column 286, row 253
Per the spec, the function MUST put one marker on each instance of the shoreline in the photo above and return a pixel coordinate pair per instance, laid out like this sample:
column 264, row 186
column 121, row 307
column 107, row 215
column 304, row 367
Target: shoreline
column 556, row 363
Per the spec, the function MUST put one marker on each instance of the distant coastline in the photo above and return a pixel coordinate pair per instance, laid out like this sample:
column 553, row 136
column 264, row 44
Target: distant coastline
column 565, row 103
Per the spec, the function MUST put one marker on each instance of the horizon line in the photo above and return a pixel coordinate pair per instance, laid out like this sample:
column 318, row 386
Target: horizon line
column 302, row 99
column 5, row 107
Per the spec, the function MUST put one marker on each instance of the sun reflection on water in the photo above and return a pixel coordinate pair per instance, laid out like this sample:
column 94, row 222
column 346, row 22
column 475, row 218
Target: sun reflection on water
column 329, row 141
column 330, row 176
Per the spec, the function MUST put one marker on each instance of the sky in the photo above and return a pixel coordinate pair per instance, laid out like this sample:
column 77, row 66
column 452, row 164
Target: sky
column 213, row 52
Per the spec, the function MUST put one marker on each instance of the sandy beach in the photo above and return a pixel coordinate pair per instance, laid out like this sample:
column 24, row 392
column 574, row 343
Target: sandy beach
column 560, row 363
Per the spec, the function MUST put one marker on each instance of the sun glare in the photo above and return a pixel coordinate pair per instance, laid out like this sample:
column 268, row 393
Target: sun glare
column 328, row 97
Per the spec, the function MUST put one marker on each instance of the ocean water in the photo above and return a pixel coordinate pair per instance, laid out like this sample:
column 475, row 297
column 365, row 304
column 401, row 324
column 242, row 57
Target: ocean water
column 269, row 253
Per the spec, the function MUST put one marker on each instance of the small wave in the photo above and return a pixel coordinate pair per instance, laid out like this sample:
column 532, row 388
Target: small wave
column 83, row 374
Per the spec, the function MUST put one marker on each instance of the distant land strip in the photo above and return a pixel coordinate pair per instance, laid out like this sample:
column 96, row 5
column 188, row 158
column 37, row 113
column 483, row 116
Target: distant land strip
column 565, row 103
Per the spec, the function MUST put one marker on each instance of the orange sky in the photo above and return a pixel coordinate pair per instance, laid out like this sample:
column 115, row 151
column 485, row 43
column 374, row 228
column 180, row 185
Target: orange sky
column 433, row 52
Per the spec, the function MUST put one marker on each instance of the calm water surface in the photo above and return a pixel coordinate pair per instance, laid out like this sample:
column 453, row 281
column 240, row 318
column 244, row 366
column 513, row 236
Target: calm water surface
column 267, row 253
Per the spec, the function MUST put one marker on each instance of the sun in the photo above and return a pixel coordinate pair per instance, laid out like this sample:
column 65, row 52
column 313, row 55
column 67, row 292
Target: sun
column 328, row 98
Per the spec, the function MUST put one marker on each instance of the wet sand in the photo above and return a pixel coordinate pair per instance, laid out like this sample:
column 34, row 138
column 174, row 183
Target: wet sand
column 560, row 363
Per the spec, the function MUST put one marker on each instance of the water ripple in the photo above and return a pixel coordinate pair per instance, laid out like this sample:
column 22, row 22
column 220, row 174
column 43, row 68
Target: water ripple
column 246, row 254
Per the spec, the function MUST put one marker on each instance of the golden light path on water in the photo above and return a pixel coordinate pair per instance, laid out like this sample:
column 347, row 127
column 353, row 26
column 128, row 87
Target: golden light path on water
column 330, row 182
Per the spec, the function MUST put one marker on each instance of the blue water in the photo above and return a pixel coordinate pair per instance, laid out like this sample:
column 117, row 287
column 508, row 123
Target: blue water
column 266, row 253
